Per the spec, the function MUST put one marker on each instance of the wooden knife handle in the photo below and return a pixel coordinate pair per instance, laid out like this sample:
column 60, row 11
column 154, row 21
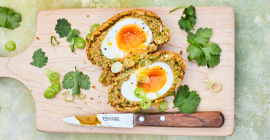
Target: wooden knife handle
column 198, row 119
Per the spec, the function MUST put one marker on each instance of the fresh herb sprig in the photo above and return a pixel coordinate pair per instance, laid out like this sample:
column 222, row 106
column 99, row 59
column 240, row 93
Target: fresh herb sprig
column 75, row 80
column 186, row 101
column 9, row 19
column 71, row 38
column 188, row 20
column 201, row 50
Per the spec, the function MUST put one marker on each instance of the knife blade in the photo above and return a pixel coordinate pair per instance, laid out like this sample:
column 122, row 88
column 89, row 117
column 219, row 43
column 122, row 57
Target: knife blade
column 213, row 119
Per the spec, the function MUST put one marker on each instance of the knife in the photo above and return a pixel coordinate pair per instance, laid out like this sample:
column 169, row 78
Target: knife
column 213, row 119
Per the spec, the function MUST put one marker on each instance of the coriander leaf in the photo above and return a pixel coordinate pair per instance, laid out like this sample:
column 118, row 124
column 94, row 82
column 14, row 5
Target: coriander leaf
column 201, row 60
column 194, row 52
column 9, row 19
column 62, row 27
column 186, row 101
column 75, row 81
column 213, row 61
column 213, row 48
column 84, row 83
column 39, row 58
column 203, row 52
column 203, row 35
column 67, row 82
column 191, row 37
column 188, row 19
column 71, row 35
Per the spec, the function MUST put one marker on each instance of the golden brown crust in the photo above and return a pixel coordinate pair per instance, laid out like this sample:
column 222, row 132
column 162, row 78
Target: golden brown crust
column 175, row 61
column 106, row 77
column 93, row 48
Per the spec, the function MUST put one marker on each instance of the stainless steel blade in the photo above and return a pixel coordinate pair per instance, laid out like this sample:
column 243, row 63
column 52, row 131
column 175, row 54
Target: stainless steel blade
column 107, row 120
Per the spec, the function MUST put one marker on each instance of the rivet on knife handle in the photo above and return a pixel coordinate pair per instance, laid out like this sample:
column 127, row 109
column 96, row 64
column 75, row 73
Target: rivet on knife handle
column 199, row 119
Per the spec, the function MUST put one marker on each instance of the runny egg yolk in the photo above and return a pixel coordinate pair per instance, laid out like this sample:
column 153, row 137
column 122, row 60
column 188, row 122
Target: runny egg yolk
column 130, row 38
column 157, row 77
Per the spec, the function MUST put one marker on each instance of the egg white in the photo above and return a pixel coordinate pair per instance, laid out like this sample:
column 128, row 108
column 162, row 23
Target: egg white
column 128, row 87
column 109, row 46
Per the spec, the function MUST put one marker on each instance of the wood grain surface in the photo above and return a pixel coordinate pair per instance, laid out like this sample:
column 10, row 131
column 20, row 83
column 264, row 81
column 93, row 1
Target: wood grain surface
column 197, row 119
column 62, row 60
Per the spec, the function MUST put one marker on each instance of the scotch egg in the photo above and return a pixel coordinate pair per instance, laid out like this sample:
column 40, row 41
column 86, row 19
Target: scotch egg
column 165, row 70
column 126, row 34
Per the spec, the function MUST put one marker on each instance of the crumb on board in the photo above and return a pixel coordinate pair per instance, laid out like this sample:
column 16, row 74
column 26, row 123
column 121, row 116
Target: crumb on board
column 85, row 102
column 181, row 52
column 94, row 87
column 87, row 15
column 75, row 53
column 84, row 62
column 37, row 38
column 47, row 14
column 31, row 90
column 97, row 102
column 92, row 98
column 54, row 119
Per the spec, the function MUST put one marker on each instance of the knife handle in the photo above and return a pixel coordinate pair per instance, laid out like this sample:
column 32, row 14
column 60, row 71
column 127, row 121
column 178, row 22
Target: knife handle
column 199, row 119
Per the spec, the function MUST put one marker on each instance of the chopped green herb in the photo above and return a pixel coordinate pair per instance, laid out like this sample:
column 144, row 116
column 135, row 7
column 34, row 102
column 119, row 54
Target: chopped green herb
column 120, row 107
column 172, row 94
column 140, row 84
column 62, row 27
column 39, row 59
column 9, row 19
column 186, row 101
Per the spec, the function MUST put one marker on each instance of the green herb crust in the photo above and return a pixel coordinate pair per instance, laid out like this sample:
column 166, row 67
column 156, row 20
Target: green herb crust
column 175, row 62
column 94, row 42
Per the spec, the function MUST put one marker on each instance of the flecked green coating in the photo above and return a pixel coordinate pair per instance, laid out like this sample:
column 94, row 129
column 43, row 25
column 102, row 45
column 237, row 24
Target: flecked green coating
column 252, row 93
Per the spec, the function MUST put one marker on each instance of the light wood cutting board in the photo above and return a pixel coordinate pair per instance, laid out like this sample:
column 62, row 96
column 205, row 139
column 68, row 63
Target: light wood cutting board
column 62, row 60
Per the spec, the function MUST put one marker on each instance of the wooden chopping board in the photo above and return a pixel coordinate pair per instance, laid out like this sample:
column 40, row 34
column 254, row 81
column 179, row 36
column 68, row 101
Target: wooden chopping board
column 62, row 60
